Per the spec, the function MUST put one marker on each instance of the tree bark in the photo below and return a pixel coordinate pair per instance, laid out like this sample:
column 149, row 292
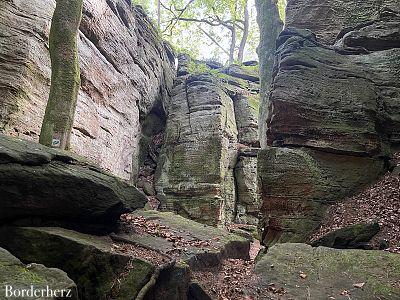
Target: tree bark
column 233, row 45
column 246, row 26
column 159, row 13
column 65, row 75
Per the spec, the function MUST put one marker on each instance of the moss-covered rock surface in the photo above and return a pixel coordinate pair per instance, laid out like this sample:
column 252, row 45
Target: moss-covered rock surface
column 201, row 246
column 15, row 276
column 305, row 272
column 90, row 261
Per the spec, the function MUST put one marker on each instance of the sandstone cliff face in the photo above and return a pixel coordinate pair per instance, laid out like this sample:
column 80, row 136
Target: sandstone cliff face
column 211, row 120
column 125, row 69
column 333, row 110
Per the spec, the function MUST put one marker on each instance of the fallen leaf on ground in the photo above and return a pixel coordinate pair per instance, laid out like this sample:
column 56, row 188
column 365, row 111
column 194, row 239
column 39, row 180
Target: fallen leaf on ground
column 359, row 285
column 303, row 275
column 344, row 293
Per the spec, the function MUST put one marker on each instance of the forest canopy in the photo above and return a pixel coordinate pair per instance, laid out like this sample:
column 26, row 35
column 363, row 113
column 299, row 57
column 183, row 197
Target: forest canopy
column 221, row 30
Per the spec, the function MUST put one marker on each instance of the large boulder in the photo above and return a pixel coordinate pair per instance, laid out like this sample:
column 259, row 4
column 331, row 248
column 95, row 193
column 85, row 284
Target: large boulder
column 330, row 101
column 97, row 269
column 212, row 116
column 300, row 271
column 125, row 70
column 152, row 254
column 33, row 280
column 37, row 181
column 198, row 245
column 355, row 236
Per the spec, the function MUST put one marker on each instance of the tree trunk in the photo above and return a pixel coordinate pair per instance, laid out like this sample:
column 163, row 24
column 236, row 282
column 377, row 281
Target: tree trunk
column 159, row 13
column 233, row 45
column 65, row 75
column 245, row 33
column 270, row 26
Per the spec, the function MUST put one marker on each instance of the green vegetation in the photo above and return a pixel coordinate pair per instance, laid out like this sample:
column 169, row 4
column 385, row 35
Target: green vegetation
column 224, row 30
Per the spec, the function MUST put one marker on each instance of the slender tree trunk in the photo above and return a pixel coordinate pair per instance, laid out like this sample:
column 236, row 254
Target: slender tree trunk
column 270, row 26
column 245, row 32
column 159, row 13
column 233, row 45
column 65, row 75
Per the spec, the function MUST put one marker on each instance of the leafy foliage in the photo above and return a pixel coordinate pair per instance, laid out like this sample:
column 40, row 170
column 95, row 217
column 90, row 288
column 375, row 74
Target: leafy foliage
column 213, row 29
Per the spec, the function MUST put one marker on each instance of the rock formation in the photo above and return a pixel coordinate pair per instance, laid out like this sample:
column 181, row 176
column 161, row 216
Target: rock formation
column 57, row 186
column 122, row 265
column 332, row 110
column 126, row 70
column 323, row 273
column 211, row 121
column 15, row 276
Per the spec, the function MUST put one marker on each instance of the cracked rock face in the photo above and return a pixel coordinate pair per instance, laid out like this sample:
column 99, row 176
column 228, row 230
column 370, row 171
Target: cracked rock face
column 211, row 124
column 200, row 151
column 332, row 113
column 125, row 70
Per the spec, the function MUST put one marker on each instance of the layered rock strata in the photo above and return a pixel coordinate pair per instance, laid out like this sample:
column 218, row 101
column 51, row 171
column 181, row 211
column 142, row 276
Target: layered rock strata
column 126, row 70
column 332, row 113
column 211, row 122
column 57, row 186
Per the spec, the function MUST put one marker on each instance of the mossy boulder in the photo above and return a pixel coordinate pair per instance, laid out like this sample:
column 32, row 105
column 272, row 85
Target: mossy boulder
column 14, row 274
column 305, row 272
column 172, row 283
column 87, row 259
column 218, row 243
column 351, row 237
column 37, row 181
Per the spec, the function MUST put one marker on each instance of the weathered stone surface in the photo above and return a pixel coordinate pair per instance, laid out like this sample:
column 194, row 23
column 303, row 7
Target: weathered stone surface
column 219, row 244
column 120, row 265
column 246, row 114
column 327, row 18
column 270, row 25
column 88, row 260
column 351, row 237
column 244, row 72
column 211, row 118
column 125, row 70
column 338, row 103
column 19, row 276
column 329, row 272
column 332, row 110
column 172, row 283
column 381, row 34
column 248, row 198
column 297, row 185
column 195, row 173
column 37, row 181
